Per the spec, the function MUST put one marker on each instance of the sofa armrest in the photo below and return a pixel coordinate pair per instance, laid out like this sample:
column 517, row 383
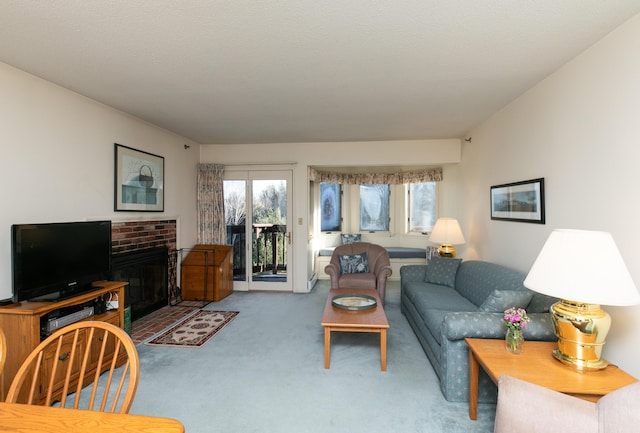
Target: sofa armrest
column 476, row 324
column 381, row 268
column 412, row 273
column 383, row 273
column 334, row 273
column 520, row 405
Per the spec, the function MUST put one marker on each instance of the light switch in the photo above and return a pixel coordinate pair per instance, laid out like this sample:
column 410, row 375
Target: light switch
column 299, row 221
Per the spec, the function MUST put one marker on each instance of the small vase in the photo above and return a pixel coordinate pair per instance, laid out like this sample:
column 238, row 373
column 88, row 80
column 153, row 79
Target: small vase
column 513, row 341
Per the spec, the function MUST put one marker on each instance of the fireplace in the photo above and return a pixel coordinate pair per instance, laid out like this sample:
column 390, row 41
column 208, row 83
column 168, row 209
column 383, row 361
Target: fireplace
column 146, row 271
column 137, row 242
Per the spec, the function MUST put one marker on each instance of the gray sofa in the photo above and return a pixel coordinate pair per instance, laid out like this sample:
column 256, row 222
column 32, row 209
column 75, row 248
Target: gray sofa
column 450, row 299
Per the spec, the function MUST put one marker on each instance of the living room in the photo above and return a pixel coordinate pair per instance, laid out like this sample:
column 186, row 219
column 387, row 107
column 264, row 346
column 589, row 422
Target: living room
column 576, row 128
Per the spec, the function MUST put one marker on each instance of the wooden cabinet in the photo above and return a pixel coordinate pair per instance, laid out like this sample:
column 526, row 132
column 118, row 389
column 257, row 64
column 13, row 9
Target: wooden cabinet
column 21, row 324
column 207, row 273
column 66, row 349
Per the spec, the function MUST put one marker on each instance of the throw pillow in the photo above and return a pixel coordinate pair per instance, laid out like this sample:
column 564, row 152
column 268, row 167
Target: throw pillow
column 354, row 264
column 349, row 238
column 500, row 300
column 442, row 270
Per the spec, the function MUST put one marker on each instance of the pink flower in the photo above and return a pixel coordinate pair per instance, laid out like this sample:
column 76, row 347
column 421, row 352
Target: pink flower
column 515, row 318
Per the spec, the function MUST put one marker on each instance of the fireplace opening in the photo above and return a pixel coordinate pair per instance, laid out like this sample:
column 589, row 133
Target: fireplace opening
column 146, row 271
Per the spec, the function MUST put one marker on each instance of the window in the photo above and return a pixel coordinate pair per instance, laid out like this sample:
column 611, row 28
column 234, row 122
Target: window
column 374, row 207
column 330, row 207
column 422, row 206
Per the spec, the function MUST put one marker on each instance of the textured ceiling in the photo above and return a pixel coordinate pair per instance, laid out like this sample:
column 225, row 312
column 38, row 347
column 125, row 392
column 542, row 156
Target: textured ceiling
column 257, row 71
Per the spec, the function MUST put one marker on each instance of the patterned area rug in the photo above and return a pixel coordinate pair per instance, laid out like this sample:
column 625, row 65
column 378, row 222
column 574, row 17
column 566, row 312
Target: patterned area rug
column 194, row 330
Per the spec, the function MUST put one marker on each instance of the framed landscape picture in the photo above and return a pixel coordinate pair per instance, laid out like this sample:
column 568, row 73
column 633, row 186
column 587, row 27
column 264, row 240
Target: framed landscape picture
column 519, row 201
column 139, row 180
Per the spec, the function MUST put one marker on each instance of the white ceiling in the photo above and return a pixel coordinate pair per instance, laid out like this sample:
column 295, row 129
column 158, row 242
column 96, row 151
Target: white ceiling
column 258, row 71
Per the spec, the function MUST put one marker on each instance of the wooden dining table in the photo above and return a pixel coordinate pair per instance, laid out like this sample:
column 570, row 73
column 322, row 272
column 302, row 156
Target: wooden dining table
column 23, row 418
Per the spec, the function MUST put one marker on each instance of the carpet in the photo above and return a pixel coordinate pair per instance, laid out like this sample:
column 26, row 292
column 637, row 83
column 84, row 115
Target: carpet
column 194, row 330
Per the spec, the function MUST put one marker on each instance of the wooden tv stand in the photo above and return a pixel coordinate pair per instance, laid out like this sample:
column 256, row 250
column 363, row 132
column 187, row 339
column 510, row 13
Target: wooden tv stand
column 21, row 324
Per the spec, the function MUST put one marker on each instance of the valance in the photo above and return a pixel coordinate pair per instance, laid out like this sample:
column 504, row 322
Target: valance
column 402, row 177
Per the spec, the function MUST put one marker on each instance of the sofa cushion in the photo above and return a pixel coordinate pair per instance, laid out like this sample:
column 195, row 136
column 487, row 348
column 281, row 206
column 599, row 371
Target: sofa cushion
column 476, row 280
column 442, row 270
column 349, row 238
column 500, row 300
column 440, row 298
column 541, row 303
column 358, row 281
column 353, row 264
column 433, row 319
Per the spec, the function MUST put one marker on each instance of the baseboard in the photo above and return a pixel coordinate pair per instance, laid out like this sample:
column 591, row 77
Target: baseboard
column 312, row 281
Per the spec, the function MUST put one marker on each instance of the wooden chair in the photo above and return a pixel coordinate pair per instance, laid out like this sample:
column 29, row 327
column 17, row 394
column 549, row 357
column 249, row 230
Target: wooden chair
column 96, row 361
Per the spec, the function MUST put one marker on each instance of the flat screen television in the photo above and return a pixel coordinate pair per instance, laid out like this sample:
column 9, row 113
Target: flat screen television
column 58, row 260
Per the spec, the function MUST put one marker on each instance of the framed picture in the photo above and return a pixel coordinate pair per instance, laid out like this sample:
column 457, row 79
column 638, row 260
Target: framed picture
column 139, row 180
column 519, row 201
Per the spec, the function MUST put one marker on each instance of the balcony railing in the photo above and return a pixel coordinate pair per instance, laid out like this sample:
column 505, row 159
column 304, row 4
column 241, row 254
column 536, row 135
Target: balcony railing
column 269, row 247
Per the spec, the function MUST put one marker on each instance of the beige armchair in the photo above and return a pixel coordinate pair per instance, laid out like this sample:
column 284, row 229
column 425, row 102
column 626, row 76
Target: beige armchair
column 523, row 406
column 379, row 268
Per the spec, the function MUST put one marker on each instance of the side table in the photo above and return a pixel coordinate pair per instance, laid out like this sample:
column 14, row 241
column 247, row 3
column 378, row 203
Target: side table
column 537, row 365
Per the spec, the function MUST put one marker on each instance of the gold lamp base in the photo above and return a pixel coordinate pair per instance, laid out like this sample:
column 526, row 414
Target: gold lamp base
column 447, row 250
column 581, row 330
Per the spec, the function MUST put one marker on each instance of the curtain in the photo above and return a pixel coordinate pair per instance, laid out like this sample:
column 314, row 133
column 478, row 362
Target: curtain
column 210, row 207
column 415, row 176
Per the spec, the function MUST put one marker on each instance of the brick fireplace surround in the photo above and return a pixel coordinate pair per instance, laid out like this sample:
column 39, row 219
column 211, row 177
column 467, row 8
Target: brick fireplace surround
column 134, row 236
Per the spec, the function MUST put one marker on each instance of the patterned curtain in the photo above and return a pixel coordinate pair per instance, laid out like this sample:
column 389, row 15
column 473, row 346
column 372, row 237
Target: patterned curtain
column 416, row 176
column 211, row 222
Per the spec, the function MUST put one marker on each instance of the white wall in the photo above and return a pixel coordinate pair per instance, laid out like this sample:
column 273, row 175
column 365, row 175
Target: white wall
column 579, row 130
column 57, row 161
column 303, row 155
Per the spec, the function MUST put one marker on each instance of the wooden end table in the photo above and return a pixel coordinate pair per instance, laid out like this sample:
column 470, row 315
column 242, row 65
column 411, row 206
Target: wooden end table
column 537, row 365
column 338, row 320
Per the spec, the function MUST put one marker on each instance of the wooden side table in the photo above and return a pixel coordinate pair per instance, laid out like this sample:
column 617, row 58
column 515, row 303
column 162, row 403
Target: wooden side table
column 537, row 365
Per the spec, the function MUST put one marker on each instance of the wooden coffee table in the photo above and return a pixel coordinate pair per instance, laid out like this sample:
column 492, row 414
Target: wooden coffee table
column 339, row 320
column 537, row 365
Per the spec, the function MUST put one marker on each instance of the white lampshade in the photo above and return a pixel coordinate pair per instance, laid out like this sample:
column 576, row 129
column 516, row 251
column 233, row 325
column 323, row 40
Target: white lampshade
column 582, row 266
column 447, row 231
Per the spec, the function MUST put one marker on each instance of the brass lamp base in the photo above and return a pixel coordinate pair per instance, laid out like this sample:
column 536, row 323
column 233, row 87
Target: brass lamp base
column 447, row 250
column 581, row 330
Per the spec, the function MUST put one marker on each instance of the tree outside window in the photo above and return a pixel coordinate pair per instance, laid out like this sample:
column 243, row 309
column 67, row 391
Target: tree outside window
column 330, row 207
column 422, row 206
column 374, row 207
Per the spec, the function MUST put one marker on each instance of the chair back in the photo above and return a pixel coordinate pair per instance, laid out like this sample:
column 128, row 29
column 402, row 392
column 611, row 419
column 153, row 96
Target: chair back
column 374, row 252
column 86, row 365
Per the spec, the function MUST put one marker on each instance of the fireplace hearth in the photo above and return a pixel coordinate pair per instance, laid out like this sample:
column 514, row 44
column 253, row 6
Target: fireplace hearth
column 146, row 271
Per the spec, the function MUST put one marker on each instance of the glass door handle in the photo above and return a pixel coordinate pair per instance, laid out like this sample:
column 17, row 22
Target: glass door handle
column 288, row 235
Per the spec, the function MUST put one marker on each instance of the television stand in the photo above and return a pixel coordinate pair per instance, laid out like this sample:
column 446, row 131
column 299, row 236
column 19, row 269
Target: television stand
column 21, row 324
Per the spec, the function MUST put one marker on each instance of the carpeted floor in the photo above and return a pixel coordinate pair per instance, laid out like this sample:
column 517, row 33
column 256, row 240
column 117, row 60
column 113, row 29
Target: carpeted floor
column 264, row 372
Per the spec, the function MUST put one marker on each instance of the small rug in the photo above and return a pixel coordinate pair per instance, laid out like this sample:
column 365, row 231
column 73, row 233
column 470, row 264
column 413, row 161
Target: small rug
column 194, row 330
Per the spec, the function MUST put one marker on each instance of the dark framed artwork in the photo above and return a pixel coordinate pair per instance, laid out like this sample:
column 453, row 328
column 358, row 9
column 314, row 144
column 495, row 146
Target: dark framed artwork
column 139, row 180
column 519, row 201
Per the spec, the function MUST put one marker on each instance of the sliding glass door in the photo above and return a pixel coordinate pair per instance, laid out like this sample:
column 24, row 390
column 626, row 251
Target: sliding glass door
column 258, row 216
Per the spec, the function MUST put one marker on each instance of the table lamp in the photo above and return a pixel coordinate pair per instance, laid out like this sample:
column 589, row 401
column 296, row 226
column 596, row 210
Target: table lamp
column 447, row 233
column 584, row 269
